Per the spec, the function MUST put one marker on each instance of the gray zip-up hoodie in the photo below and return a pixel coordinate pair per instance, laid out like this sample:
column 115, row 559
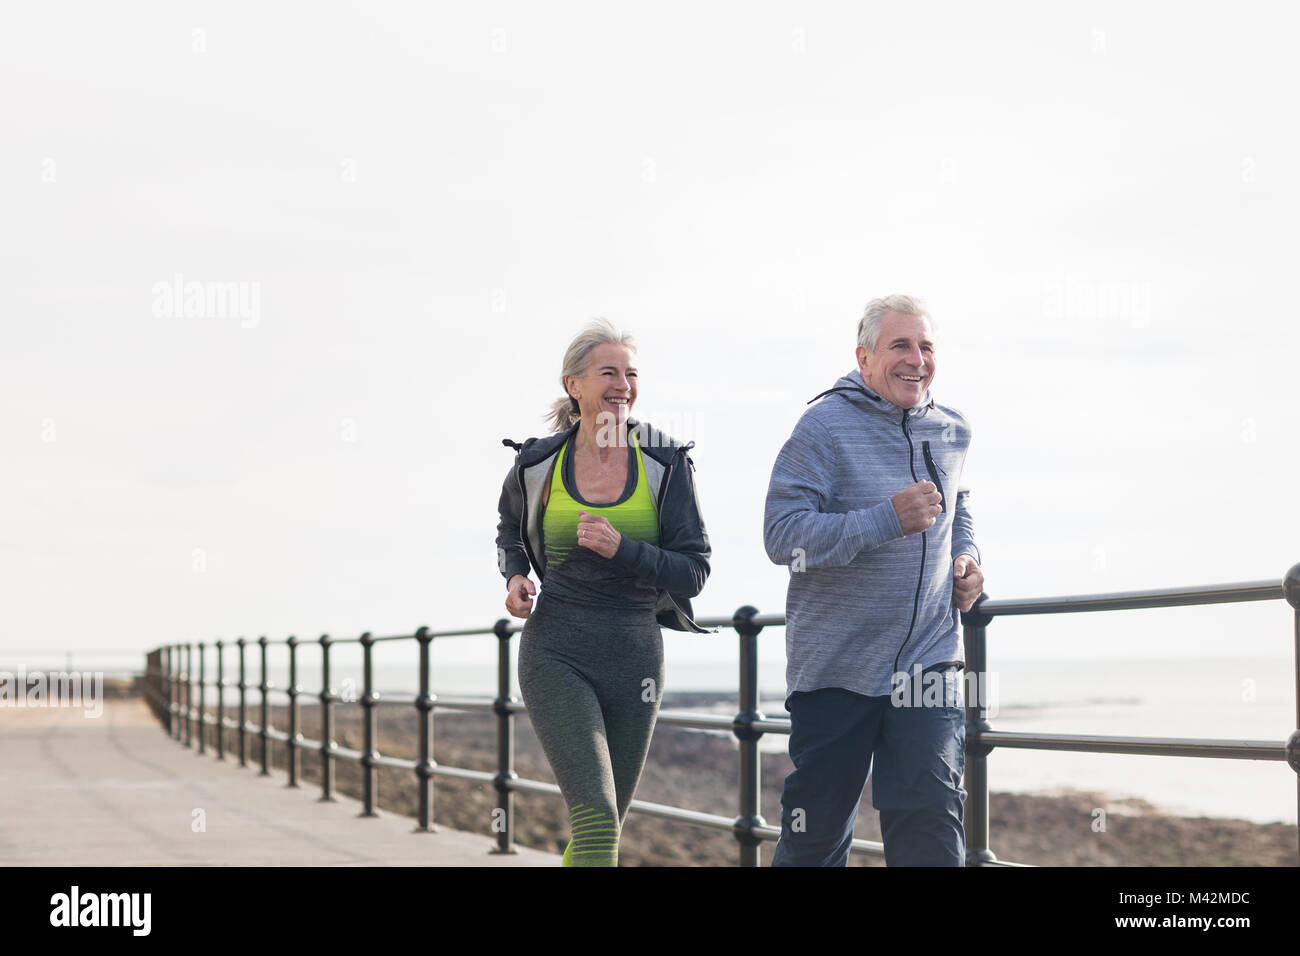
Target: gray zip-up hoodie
column 865, row 601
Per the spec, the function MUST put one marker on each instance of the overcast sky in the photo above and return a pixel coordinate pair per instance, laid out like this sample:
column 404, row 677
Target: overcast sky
column 420, row 204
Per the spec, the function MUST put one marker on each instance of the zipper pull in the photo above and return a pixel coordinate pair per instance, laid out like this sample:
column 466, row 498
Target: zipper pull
column 929, row 459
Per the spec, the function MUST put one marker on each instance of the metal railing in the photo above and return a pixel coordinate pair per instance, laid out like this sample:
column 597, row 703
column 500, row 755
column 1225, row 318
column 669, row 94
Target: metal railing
column 171, row 684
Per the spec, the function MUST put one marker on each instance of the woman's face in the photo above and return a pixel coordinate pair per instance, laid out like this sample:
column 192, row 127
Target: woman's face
column 608, row 386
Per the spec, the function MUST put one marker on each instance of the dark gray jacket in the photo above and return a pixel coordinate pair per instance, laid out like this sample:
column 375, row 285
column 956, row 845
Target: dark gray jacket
column 679, row 565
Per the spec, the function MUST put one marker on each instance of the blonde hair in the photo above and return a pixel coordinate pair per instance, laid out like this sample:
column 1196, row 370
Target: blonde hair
column 869, row 326
column 564, row 411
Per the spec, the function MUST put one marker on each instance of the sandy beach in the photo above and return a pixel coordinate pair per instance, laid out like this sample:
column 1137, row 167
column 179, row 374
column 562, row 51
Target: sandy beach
column 698, row 771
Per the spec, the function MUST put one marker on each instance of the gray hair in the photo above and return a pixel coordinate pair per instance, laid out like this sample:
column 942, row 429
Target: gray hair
column 869, row 326
column 564, row 411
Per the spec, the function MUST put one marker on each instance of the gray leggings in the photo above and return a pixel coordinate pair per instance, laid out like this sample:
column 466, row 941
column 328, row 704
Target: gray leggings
column 592, row 678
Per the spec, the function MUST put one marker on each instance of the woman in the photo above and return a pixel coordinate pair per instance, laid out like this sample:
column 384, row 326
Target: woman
column 604, row 510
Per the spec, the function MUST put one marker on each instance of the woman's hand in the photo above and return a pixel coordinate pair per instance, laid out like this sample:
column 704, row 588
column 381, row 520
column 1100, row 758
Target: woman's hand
column 519, row 596
column 598, row 534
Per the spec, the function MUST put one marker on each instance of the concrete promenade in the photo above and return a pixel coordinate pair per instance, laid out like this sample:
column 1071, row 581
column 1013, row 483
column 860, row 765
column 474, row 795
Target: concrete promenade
column 117, row 791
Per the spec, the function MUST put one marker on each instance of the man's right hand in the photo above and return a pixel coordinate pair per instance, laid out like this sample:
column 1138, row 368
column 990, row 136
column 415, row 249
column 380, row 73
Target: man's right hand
column 918, row 506
column 519, row 596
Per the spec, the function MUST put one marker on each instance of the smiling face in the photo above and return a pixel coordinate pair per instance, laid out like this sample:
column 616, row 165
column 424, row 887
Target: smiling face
column 902, row 366
column 608, row 385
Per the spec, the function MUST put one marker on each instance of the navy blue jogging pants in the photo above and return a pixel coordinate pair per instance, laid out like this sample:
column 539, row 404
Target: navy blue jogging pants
column 918, row 753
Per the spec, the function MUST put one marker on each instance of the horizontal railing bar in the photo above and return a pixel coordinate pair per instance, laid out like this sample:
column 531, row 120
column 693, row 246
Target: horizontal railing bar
column 447, row 703
column 696, row 817
column 762, row 620
column 1149, row 746
column 462, row 703
column 699, row 721
column 665, row 812
column 769, row 833
column 869, row 847
column 524, row 785
column 1198, row 747
column 462, row 632
column 461, row 773
column 678, row 718
column 228, row 685
column 1118, row 600
column 439, row 703
column 467, row 632
column 1128, row 600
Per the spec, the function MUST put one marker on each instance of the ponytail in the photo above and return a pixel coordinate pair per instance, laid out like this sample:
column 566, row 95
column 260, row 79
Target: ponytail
column 563, row 413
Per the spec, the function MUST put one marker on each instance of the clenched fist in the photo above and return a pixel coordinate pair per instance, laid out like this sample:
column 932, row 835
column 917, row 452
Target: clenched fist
column 918, row 506
column 519, row 596
column 967, row 582
column 595, row 532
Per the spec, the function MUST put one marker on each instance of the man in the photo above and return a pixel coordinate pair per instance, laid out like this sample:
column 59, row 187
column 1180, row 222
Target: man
column 865, row 506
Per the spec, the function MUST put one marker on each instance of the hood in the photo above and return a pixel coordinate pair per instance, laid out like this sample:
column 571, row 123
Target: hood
column 852, row 387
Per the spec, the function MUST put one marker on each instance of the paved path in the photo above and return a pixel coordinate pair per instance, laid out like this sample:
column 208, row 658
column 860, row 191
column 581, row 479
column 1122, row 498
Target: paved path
column 117, row 791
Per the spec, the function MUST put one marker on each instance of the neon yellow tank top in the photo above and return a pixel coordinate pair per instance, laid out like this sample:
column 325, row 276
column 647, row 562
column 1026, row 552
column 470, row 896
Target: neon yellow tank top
column 634, row 517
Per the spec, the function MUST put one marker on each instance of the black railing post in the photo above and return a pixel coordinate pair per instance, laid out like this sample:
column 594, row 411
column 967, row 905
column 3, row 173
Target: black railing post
column 171, row 690
column 503, row 817
column 266, row 714
column 295, row 734
column 1291, row 590
column 368, row 751
column 424, row 707
column 178, row 686
column 742, row 726
column 243, row 708
column 180, row 693
column 326, row 723
column 221, row 701
column 202, row 687
column 976, row 778
column 189, row 695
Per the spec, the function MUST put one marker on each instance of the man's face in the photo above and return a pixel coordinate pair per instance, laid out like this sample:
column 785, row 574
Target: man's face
column 902, row 366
